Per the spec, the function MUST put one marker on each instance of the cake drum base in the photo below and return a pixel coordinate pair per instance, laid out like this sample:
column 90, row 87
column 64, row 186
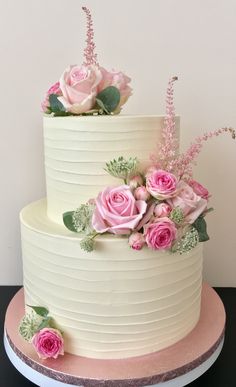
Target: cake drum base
column 174, row 366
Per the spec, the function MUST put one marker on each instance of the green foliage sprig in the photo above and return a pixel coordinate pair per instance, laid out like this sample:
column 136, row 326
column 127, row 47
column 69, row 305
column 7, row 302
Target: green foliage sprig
column 80, row 219
column 122, row 168
column 177, row 215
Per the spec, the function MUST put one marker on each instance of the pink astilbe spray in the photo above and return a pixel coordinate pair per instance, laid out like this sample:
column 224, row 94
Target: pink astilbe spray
column 89, row 52
column 183, row 164
column 169, row 146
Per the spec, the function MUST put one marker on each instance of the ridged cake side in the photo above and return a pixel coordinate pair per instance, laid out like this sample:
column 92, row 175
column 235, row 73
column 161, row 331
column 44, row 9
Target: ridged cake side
column 114, row 302
column 77, row 148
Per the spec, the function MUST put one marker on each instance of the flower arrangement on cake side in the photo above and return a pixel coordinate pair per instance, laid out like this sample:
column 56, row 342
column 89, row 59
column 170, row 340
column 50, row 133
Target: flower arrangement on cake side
column 162, row 208
column 88, row 89
column 39, row 329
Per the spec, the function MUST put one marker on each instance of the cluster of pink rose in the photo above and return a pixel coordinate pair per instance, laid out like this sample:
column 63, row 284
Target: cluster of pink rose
column 143, row 209
column 79, row 85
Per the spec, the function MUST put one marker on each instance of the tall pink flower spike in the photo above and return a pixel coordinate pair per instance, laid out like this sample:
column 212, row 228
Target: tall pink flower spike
column 184, row 162
column 89, row 52
column 169, row 159
column 169, row 146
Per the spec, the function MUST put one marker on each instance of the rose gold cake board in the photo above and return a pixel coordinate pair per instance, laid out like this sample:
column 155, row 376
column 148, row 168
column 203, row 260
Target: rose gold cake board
column 174, row 366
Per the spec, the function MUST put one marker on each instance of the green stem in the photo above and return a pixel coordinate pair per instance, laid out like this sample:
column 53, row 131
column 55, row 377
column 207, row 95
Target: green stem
column 94, row 235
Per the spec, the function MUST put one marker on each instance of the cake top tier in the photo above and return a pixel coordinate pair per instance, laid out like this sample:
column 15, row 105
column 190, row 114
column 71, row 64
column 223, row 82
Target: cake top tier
column 88, row 89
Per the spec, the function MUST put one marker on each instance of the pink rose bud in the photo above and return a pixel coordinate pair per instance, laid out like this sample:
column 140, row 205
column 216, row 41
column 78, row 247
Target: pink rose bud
column 136, row 181
column 48, row 342
column 136, row 241
column 199, row 189
column 141, row 193
column 54, row 89
column 162, row 210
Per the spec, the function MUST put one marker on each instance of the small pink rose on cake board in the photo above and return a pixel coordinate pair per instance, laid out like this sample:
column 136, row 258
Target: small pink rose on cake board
column 48, row 342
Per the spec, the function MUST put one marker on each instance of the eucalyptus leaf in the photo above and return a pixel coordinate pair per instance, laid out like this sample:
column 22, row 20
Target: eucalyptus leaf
column 201, row 227
column 108, row 99
column 40, row 310
column 68, row 221
column 55, row 105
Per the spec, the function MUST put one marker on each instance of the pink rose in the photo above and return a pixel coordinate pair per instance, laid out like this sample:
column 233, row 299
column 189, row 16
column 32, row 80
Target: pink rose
column 136, row 241
column 79, row 87
column 120, row 81
column 48, row 342
column 54, row 89
column 199, row 189
column 162, row 210
column 141, row 193
column 161, row 184
column 117, row 211
column 189, row 202
column 160, row 234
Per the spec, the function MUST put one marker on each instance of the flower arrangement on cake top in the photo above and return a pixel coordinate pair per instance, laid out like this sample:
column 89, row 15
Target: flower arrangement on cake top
column 88, row 89
column 162, row 208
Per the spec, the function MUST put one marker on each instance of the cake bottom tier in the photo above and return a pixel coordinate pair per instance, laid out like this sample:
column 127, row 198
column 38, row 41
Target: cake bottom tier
column 113, row 302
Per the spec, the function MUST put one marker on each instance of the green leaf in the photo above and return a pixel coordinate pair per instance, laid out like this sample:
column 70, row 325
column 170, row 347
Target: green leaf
column 201, row 227
column 46, row 323
column 68, row 221
column 108, row 99
column 55, row 105
column 40, row 310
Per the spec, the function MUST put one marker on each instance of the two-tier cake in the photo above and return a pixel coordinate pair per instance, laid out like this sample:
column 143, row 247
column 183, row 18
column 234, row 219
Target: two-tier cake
column 111, row 270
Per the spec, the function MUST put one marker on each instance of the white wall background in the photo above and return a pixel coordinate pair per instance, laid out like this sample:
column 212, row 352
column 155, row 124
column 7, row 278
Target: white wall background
column 150, row 40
